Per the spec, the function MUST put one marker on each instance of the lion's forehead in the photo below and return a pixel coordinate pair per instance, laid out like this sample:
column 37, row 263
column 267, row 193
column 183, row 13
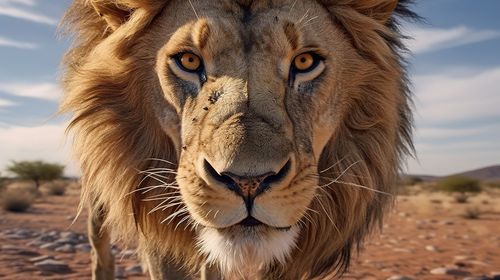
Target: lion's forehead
column 225, row 27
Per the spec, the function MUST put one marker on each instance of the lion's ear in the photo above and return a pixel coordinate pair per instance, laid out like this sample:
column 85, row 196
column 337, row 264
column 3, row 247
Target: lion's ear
column 380, row 10
column 117, row 12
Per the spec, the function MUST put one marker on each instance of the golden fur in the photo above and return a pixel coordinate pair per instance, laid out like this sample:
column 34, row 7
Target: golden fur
column 346, row 142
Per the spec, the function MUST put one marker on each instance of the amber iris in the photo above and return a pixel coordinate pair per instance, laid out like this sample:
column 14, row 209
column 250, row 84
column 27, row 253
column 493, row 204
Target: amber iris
column 190, row 62
column 303, row 62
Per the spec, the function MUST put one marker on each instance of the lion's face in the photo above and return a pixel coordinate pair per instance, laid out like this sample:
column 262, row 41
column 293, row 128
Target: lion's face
column 257, row 96
column 286, row 121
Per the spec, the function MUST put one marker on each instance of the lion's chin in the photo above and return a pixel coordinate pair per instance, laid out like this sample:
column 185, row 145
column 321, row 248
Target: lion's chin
column 246, row 250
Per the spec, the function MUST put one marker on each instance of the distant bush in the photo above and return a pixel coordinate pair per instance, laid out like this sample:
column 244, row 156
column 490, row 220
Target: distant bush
column 459, row 184
column 37, row 171
column 54, row 188
column 410, row 180
column 16, row 200
column 461, row 198
column 472, row 213
column 74, row 185
column 494, row 185
column 22, row 186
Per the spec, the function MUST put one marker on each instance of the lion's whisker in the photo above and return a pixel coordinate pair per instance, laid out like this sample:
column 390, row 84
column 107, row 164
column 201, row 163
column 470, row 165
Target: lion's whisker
column 341, row 174
column 173, row 215
column 181, row 221
column 328, row 215
column 157, row 176
column 155, row 199
column 364, row 187
column 309, row 20
column 194, row 10
column 303, row 17
column 166, row 195
column 293, row 6
column 162, row 169
column 333, row 165
column 147, row 189
column 161, row 160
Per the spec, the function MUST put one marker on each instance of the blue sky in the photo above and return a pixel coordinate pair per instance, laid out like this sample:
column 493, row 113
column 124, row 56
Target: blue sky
column 455, row 70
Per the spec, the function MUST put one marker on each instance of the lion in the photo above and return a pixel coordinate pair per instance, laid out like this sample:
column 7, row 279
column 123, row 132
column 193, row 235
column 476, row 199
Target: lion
column 237, row 139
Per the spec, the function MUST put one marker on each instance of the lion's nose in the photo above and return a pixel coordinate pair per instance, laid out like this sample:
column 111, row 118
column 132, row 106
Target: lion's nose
column 248, row 187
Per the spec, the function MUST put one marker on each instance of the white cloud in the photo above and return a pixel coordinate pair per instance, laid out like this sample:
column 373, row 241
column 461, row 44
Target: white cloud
column 435, row 39
column 448, row 98
column 6, row 103
column 5, row 42
column 48, row 91
column 451, row 110
column 18, row 9
column 429, row 134
column 45, row 142
column 21, row 2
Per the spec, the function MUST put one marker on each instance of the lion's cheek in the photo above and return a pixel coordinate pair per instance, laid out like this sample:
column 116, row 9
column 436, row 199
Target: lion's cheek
column 215, row 213
column 281, row 211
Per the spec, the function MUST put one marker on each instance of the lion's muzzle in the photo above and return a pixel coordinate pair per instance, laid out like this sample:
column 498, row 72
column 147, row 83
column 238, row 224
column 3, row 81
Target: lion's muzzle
column 245, row 186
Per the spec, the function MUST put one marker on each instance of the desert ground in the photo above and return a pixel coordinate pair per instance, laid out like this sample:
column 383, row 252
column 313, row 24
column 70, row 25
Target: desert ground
column 428, row 235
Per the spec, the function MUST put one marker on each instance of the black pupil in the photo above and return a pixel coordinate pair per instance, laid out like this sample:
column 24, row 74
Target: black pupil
column 303, row 60
column 191, row 59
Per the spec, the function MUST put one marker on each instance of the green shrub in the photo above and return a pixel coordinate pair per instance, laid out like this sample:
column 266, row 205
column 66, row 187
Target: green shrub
column 409, row 180
column 37, row 171
column 461, row 198
column 459, row 184
column 54, row 188
column 16, row 200
column 472, row 213
column 493, row 185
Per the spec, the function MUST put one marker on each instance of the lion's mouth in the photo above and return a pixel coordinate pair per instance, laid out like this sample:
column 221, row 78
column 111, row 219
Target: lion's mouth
column 250, row 222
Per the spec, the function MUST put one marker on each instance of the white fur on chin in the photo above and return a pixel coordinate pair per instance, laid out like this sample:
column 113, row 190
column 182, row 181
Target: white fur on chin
column 243, row 251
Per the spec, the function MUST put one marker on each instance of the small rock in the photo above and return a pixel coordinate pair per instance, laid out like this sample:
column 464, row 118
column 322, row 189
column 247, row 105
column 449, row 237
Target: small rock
column 449, row 271
column 53, row 233
column 431, row 248
column 53, row 266
column 399, row 277
column 85, row 247
column 50, row 246
column 463, row 258
column 35, row 243
column 72, row 241
column 447, row 223
column 495, row 275
column 65, row 249
column 478, row 263
column 17, row 236
column 477, row 278
column 402, row 250
column 40, row 258
column 46, row 238
column 28, row 253
column 9, row 248
column 134, row 270
column 69, row 235
column 119, row 272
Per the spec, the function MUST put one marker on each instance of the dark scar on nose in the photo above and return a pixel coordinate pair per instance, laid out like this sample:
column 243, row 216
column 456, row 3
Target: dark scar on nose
column 214, row 97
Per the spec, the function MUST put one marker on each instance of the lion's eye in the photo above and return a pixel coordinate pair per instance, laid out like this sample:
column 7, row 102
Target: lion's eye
column 305, row 62
column 189, row 62
column 305, row 67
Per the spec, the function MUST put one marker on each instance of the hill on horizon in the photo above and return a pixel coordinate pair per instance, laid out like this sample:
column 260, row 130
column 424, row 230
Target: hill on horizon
column 489, row 173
